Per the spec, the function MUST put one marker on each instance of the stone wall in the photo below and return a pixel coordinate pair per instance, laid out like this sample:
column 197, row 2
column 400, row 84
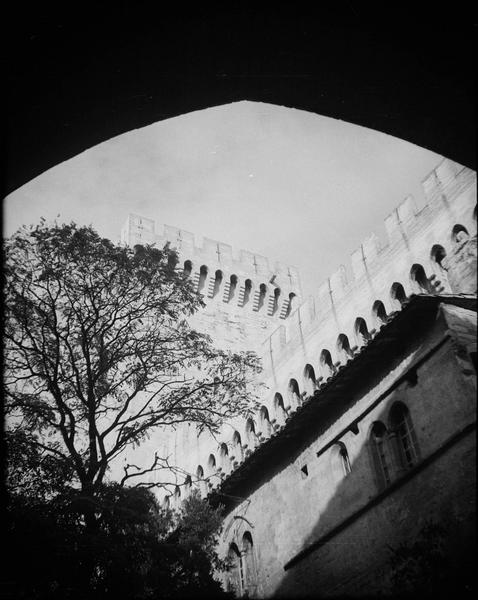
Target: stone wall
column 347, row 309
column 343, row 524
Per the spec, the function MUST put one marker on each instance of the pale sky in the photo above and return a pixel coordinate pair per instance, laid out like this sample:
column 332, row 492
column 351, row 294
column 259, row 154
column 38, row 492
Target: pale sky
column 287, row 184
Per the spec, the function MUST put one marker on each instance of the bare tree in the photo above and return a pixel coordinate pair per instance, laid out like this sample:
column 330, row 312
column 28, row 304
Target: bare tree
column 99, row 352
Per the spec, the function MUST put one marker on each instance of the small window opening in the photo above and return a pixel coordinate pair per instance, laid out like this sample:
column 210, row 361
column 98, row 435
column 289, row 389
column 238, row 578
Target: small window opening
column 232, row 287
column 459, row 234
column 438, row 254
column 397, row 293
column 275, row 306
column 305, row 471
column 262, row 295
column 188, row 267
column 202, row 277
column 247, row 291
column 217, row 283
column 419, row 277
column 344, row 457
column 379, row 312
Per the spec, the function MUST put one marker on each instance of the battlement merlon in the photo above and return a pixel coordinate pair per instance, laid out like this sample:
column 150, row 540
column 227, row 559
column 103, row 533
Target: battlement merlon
column 211, row 253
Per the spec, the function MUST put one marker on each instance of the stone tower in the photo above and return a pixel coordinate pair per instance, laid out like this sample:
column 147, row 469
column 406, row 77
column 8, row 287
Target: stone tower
column 246, row 296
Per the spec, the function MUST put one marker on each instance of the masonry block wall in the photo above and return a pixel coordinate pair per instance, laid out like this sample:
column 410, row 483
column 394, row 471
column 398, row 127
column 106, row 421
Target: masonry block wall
column 303, row 343
column 349, row 516
column 246, row 295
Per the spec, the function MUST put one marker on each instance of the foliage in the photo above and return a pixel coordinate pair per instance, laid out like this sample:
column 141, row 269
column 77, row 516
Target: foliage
column 132, row 550
column 419, row 564
column 99, row 352
column 427, row 567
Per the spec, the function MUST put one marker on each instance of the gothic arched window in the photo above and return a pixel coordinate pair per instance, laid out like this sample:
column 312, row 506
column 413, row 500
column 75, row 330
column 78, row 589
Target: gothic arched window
column 249, row 566
column 236, row 447
column 202, row 277
column 344, row 459
column 224, row 458
column 262, row 296
column 275, row 305
column 188, row 267
column 459, row 233
column 235, row 577
column 290, row 304
column 310, row 383
column 397, row 293
column 294, row 394
column 279, row 409
column 379, row 312
column 251, row 434
column 404, row 436
column 247, row 291
column 380, row 453
column 419, row 278
column 438, row 254
column 343, row 347
column 200, row 481
column 361, row 331
column 326, row 364
column 264, row 422
column 232, row 287
column 217, row 282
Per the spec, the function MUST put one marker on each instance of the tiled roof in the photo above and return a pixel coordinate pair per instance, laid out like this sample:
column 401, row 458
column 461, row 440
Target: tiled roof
column 416, row 314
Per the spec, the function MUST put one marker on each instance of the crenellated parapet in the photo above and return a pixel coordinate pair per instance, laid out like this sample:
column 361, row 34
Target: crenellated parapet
column 423, row 250
column 428, row 251
column 228, row 280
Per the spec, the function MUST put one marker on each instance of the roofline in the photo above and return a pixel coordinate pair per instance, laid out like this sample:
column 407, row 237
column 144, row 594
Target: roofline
column 417, row 313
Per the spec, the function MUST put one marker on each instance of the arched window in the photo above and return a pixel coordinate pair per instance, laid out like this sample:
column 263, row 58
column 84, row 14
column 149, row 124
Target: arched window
column 293, row 394
column 309, row 379
column 225, row 463
column 211, row 464
column 217, row 283
column 275, row 305
column 264, row 423
column 459, row 234
column 251, row 436
column 237, row 453
column 262, row 296
column 235, row 577
column 279, row 409
column 188, row 267
column 340, row 462
column 343, row 347
column 344, row 459
column 419, row 278
column 379, row 312
column 290, row 304
column 202, row 277
column 201, row 482
column 438, row 254
column 247, row 291
column 397, row 293
column 361, row 331
column 326, row 366
column 380, row 454
column 249, row 566
column 187, row 486
column 403, row 433
column 232, row 287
